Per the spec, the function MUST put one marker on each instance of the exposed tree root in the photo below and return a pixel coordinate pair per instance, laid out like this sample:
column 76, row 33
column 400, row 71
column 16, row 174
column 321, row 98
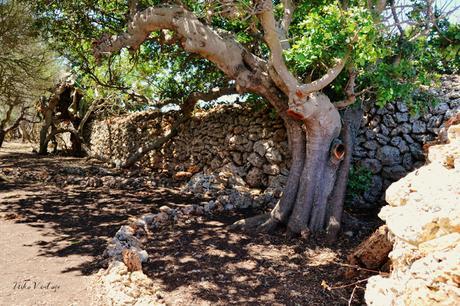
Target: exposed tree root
column 251, row 223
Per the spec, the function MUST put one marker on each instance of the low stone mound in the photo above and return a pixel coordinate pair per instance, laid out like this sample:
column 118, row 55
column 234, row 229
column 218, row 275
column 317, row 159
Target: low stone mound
column 423, row 216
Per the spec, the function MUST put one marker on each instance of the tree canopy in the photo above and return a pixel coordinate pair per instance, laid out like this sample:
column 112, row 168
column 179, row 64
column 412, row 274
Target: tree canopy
column 389, row 64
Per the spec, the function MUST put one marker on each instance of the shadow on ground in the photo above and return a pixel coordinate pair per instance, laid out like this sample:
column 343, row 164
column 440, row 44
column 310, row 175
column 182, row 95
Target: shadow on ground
column 201, row 262
column 82, row 219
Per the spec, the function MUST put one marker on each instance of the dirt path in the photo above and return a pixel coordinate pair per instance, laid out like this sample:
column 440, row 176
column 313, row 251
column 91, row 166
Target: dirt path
column 30, row 277
column 56, row 215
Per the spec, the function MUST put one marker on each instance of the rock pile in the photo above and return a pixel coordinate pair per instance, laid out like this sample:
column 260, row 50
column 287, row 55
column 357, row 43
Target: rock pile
column 423, row 217
column 117, row 285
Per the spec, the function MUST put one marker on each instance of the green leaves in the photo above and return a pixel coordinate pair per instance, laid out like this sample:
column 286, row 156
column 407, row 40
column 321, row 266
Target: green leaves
column 324, row 32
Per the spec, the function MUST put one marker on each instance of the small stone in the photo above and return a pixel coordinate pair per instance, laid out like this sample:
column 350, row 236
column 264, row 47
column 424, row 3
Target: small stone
column 161, row 217
column 166, row 209
column 236, row 157
column 359, row 152
column 416, row 151
column 255, row 177
column 400, row 144
column 401, row 129
column 256, row 160
column 389, row 121
column 374, row 192
column 261, row 147
column 382, row 139
column 394, row 172
column 407, row 161
column 388, row 155
column 188, row 209
column 441, row 108
column 418, row 127
column 371, row 145
column 370, row 134
column 273, row 156
column 402, row 107
column 408, row 139
column 401, row 117
column 372, row 165
column 271, row 169
column 390, row 107
column 384, row 130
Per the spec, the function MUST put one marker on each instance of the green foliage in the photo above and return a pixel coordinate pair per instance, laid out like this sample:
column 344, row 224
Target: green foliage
column 154, row 76
column 323, row 33
column 359, row 180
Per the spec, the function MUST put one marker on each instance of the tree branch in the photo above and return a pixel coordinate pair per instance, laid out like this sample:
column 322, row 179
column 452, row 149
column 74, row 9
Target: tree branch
column 18, row 120
column 285, row 23
column 325, row 80
column 196, row 37
column 249, row 71
column 267, row 19
column 349, row 91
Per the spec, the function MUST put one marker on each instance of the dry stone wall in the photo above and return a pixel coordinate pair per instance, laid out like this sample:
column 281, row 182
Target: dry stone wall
column 250, row 149
column 390, row 141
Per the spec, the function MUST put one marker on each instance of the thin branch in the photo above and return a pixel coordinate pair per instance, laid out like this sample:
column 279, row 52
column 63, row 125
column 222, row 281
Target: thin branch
column 285, row 23
column 396, row 19
column 349, row 91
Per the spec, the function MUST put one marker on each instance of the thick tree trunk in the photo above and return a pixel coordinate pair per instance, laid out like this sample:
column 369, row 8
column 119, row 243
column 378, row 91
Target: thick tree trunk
column 313, row 196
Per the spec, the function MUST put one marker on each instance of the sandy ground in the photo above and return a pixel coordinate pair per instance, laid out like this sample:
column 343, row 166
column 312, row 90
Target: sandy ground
column 53, row 227
column 30, row 277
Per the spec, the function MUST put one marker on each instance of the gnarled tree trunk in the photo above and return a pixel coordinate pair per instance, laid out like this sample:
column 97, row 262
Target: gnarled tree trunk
column 313, row 197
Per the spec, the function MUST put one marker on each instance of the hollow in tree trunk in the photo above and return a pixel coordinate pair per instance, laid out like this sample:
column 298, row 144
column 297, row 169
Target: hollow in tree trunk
column 2, row 138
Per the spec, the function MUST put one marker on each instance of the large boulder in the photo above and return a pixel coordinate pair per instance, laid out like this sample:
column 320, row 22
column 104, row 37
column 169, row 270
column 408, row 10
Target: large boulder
column 423, row 217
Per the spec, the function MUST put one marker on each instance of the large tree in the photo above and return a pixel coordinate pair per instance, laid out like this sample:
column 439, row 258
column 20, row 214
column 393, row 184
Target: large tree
column 297, row 55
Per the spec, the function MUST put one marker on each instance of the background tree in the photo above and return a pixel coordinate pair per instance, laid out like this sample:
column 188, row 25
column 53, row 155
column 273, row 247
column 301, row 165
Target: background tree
column 297, row 55
column 26, row 66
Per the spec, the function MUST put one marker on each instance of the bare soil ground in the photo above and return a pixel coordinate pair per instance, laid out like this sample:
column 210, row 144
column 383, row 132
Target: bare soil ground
column 54, row 225
column 201, row 262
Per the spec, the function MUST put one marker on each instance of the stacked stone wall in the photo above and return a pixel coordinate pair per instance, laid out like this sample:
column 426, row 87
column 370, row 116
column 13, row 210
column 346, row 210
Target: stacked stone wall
column 253, row 147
